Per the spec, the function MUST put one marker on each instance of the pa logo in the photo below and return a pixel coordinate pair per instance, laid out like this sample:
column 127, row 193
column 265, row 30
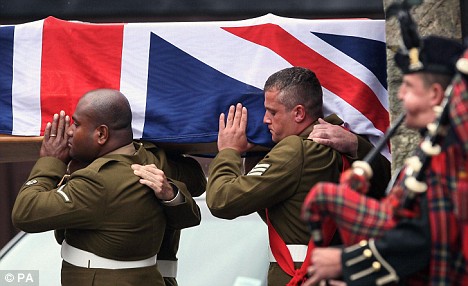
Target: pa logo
column 19, row 278
column 9, row 277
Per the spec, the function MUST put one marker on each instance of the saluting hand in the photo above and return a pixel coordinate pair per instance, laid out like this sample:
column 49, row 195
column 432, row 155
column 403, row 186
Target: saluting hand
column 154, row 178
column 232, row 134
column 55, row 142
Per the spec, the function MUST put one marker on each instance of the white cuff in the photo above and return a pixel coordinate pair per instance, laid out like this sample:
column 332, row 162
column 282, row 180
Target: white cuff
column 177, row 200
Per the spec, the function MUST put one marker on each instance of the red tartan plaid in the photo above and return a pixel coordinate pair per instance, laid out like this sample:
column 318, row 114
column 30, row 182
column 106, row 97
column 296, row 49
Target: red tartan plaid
column 459, row 118
column 447, row 265
column 448, row 189
column 356, row 216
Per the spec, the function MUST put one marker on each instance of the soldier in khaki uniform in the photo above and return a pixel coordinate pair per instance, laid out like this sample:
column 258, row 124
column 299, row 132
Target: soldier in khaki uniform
column 277, row 185
column 188, row 171
column 113, row 224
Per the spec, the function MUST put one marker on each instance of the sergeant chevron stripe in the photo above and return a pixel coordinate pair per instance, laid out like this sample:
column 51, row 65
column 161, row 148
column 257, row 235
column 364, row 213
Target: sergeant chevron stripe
column 259, row 169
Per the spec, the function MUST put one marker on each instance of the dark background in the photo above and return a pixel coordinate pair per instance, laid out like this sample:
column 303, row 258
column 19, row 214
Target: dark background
column 18, row 11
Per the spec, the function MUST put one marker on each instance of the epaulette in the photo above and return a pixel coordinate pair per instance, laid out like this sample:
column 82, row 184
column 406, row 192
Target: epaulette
column 99, row 163
column 363, row 265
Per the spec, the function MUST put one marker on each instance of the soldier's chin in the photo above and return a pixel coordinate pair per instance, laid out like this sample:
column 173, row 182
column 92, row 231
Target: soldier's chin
column 72, row 155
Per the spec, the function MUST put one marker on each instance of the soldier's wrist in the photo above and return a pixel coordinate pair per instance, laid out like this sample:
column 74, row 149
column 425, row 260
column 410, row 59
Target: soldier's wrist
column 177, row 199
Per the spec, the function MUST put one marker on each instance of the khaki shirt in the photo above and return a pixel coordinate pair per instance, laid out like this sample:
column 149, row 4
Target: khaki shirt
column 105, row 210
column 279, row 182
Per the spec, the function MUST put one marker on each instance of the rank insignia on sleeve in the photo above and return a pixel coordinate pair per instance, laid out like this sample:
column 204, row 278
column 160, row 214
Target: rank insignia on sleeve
column 63, row 194
column 259, row 169
column 31, row 182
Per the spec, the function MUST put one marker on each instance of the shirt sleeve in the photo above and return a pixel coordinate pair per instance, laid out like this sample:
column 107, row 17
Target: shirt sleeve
column 41, row 205
column 185, row 214
column 188, row 171
column 272, row 181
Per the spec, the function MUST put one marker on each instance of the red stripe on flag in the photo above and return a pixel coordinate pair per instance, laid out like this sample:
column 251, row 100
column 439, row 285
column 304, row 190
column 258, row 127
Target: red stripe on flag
column 331, row 76
column 77, row 58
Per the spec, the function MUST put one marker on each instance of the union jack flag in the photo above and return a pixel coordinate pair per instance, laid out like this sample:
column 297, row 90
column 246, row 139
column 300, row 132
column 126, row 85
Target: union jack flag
column 179, row 76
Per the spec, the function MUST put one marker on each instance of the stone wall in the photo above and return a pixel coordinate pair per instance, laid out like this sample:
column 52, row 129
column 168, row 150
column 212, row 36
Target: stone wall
column 433, row 17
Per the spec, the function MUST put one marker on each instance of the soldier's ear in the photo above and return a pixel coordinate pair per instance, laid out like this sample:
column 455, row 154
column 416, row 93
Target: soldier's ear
column 299, row 113
column 102, row 134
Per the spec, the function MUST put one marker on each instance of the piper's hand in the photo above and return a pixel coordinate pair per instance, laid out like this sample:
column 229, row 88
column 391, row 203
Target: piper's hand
column 55, row 142
column 325, row 264
column 232, row 134
column 329, row 282
column 335, row 136
column 336, row 283
column 155, row 179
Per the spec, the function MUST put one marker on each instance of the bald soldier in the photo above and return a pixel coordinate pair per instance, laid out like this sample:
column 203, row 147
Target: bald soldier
column 113, row 224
